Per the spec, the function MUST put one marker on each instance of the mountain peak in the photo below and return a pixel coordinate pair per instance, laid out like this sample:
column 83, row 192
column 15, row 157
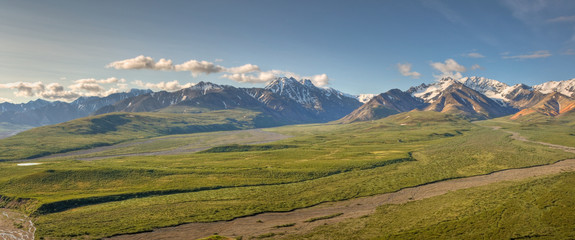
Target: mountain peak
column 566, row 87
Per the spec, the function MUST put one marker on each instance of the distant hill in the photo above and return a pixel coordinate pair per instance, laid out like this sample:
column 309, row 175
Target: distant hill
column 113, row 128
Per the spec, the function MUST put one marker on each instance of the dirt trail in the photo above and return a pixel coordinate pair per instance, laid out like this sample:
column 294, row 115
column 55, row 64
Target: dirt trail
column 257, row 136
column 15, row 226
column 267, row 223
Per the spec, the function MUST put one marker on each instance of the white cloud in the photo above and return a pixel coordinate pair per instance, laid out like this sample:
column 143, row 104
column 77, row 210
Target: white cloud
column 219, row 60
column 89, row 87
column 562, row 19
column 197, row 67
column 166, row 86
column 142, row 62
column 247, row 73
column 247, row 68
column 476, row 66
column 537, row 54
column 25, row 89
column 475, row 55
column 107, row 80
column 3, row 100
column 569, row 52
column 55, row 91
column 319, row 80
column 261, row 77
column 449, row 65
column 405, row 70
column 450, row 68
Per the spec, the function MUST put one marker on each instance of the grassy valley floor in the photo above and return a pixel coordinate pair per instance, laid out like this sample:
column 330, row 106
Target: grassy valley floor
column 320, row 163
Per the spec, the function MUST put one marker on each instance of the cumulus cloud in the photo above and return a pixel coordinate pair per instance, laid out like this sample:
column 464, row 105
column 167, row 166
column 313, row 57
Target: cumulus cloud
column 405, row 70
column 142, row 62
column 197, row 67
column 247, row 73
column 104, row 81
column 89, row 87
column 474, row 55
column 449, row 68
column 260, row 77
column 449, row 65
column 55, row 91
column 166, row 86
column 247, row 68
column 3, row 100
column 537, row 54
column 319, row 80
column 24, row 89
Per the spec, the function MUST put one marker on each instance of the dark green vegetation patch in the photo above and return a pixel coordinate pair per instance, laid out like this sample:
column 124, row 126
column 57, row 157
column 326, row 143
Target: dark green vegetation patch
column 245, row 148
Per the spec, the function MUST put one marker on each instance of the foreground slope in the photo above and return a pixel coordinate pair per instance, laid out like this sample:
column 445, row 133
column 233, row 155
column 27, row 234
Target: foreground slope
column 539, row 208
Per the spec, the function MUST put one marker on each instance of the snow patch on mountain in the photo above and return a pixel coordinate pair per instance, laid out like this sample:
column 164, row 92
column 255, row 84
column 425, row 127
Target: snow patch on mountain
column 428, row 92
column 303, row 91
column 491, row 88
column 566, row 87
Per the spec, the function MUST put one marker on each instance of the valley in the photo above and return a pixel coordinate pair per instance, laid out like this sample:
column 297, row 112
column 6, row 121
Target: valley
column 319, row 163
column 165, row 159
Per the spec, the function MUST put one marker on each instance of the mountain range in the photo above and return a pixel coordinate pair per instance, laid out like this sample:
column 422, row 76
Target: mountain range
column 474, row 97
column 41, row 112
column 291, row 101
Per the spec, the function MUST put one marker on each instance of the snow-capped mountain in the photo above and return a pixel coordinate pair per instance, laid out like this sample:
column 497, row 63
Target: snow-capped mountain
column 480, row 97
column 566, row 87
column 364, row 98
column 326, row 104
column 551, row 104
column 491, row 88
column 286, row 99
column 204, row 95
column 391, row 102
column 305, row 93
column 42, row 112
column 460, row 99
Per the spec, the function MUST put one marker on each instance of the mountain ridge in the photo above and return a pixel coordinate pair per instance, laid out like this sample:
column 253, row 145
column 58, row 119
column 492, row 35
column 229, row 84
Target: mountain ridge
column 300, row 101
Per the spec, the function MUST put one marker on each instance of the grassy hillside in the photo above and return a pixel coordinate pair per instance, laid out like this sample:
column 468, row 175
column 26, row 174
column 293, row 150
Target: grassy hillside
column 533, row 209
column 322, row 163
column 108, row 129
column 556, row 130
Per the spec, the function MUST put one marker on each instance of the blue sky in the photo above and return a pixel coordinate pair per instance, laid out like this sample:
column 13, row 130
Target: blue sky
column 59, row 50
